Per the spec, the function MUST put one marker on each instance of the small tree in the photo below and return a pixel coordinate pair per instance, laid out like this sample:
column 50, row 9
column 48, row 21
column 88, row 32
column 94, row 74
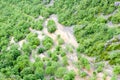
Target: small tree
column 41, row 50
column 47, row 42
column 51, row 26
column 69, row 76
column 60, row 72
column 50, row 70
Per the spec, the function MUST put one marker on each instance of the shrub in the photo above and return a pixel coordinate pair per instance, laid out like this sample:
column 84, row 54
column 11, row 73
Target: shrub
column 30, row 77
column 47, row 42
column 100, row 67
column 41, row 50
column 116, row 18
column 116, row 70
column 84, row 63
column 69, row 76
column 60, row 72
column 60, row 40
column 83, row 74
column 26, row 71
column 65, row 61
column 55, row 57
column 50, row 70
column 38, row 25
column 39, row 73
column 51, row 26
column 114, row 77
column 33, row 39
column 26, row 48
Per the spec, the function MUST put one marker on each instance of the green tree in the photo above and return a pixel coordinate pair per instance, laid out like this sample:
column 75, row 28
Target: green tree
column 30, row 77
column 26, row 71
column 116, row 70
column 60, row 72
column 41, row 50
column 33, row 39
column 39, row 73
column 50, row 70
column 47, row 42
column 51, row 26
column 69, row 76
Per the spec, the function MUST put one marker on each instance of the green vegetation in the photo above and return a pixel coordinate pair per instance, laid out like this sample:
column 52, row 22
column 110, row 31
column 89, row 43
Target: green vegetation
column 117, row 70
column 51, row 26
column 60, row 40
column 38, row 25
column 18, row 17
column 60, row 72
column 99, row 67
column 33, row 40
column 41, row 50
column 47, row 43
column 69, row 76
column 115, row 18
column 84, row 63
column 83, row 74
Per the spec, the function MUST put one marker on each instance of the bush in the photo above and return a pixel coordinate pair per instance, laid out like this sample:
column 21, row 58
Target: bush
column 26, row 48
column 65, row 61
column 114, row 77
column 30, row 77
column 47, row 42
column 33, row 39
column 39, row 73
column 55, row 57
column 41, row 50
column 60, row 72
column 26, row 71
column 116, row 18
column 83, row 74
column 116, row 70
column 51, row 26
column 50, row 70
column 52, row 78
column 100, row 67
column 84, row 63
column 69, row 76
column 38, row 25
column 60, row 40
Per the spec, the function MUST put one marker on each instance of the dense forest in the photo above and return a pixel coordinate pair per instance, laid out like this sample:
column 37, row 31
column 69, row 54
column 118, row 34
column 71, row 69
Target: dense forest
column 59, row 40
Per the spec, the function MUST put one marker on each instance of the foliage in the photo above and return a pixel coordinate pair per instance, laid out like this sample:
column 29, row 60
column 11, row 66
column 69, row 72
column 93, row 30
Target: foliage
column 83, row 74
column 50, row 70
column 47, row 43
column 38, row 25
column 84, row 63
column 51, row 26
column 33, row 39
column 99, row 67
column 60, row 72
column 17, row 17
column 69, row 76
column 115, row 18
column 114, row 77
column 26, row 48
column 116, row 69
column 60, row 40
column 41, row 50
